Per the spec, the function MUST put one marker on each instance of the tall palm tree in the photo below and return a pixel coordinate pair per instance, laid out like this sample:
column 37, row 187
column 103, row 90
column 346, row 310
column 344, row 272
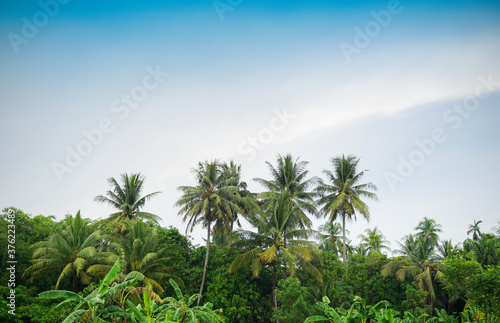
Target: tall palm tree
column 408, row 245
column 231, row 176
column 211, row 203
column 128, row 200
column 486, row 250
column 496, row 230
column 474, row 229
column 374, row 240
column 447, row 250
column 419, row 264
column 341, row 195
column 290, row 176
column 141, row 253
column 428, row 229
column 330, row 237
column 67, row 251
column 277, row 240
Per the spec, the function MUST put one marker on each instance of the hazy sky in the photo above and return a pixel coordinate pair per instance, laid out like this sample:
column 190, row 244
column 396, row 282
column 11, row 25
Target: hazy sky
column 92, row 90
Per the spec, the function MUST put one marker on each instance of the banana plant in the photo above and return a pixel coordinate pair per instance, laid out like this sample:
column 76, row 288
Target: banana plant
column 145, row 314
column 410, row 318
column 443, row 317
column 359, row 312
column 332, row 315
column 90, row 308
column 386, row 316
column 180, row 310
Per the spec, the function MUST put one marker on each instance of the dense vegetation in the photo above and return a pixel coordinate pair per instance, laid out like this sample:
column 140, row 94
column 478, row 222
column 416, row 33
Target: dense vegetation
column 128, row 268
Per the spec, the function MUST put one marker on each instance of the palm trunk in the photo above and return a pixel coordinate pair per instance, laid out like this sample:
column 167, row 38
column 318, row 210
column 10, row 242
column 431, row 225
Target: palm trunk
column 74, row 282
column 274, row 288
column 231, row 233
column 343, row 237
column 206, row 262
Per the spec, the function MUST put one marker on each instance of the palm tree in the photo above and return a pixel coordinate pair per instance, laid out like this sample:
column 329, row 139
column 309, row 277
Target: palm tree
column 428, row 229
column 447, row 250
column 496, row 230
column 290, row 176
column 419, row 265
column 141, row 253
column 342, row 197
column 128, row 200
column 67, row 251
column 361, row 249
column 374, row 240
column 474, row 229
column 231, row 176
column 212, row 202
column 277, row 240
column 486, row 251
column 330, row 237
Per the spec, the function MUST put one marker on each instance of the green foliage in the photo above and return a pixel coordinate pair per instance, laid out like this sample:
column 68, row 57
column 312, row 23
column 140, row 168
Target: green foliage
column 443, row 317
column 29, row 308
column 419, row 263
column 483, row 291
column 358, row 312
column 180, row 309
column 66, row 252
column 91, row 307
column 296, row 303
column 456, row 272
column 363, row 275
column 29, row 230
column 141, row 253
column 145, row 312
column 338, row 290
column 310, row 282
column 242, row 297
column 415, row 300
column 280, row 240
column 486, row 251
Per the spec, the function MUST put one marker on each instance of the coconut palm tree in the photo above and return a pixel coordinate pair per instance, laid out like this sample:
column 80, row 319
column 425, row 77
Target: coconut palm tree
column 474, row 229
column 141, row 253
column 231, row 176
column 428, row 229
column 330, row 237
column 277, row 240
column 211, row 203
column 127, row 199
column 419, row 264
column 374, row 240
column 67, row 251
column 496, row 230
column 341, row 194
column 447, row 250
column 290, row 176
column 486, row 250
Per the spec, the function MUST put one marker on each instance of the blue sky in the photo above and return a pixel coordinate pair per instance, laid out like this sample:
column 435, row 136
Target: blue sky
column 204, row 86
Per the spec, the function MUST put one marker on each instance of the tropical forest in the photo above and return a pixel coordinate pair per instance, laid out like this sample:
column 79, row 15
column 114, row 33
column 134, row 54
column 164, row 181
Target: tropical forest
column 262, row 259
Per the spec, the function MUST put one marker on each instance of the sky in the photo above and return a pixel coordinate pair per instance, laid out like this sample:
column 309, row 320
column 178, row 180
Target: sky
column 89, row 91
